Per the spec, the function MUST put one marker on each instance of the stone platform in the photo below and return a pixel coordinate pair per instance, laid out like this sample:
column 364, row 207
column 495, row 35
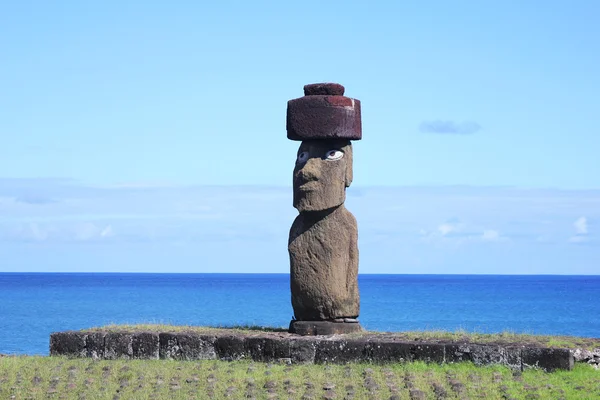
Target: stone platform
column 314, row 328
column 290, row 348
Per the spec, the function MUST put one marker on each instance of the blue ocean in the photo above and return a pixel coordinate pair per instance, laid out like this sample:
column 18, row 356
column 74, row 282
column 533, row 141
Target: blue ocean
column 32, row 305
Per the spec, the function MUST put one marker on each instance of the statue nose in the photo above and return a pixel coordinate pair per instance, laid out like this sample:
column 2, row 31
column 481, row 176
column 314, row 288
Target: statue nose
column 310, row 170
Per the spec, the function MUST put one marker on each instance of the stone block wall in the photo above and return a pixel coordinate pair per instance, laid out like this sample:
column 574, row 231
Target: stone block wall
column 282, row 347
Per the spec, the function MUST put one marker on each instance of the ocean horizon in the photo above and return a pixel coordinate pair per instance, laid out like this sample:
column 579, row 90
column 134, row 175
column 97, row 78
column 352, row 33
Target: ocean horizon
column 267, row 273
column 34, row 304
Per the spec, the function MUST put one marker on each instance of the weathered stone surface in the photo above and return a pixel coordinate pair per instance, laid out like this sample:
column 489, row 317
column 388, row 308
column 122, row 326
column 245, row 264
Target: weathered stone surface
column 94, row 344
column 431, row 353
column 321, row 176
column 268, row 349
column 391, row 351
column 303, row 351
column 332, row 89
column 197, row 347
column 323, row 113
column 547, row 359
column 342, row 351
column 285, row 347
column 580, row 355
column 324, row 266
column 595, row 359
column 187, row 346
column 484, row 354
column 231, row 348
column 168, row 346
column 394, row 351
column 323, row 238
column 70, row 344
column 312, row 328
column 145, row 346
column 118, row 345
column 591, row 357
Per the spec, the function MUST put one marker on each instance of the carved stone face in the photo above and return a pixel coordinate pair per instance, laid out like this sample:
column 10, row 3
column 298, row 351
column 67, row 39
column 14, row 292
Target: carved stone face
column 323, row 172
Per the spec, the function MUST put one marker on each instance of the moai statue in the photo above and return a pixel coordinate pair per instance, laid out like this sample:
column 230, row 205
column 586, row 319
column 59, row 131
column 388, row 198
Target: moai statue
column 323, row 238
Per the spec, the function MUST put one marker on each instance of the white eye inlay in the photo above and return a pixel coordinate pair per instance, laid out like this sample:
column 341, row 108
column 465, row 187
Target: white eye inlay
column 303, row 157
column 333, row 155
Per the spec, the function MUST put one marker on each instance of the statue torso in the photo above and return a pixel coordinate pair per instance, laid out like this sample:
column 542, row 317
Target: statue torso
column 324, row 265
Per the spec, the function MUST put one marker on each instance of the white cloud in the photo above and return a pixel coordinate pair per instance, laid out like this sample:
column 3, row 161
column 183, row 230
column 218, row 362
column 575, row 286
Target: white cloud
column 543, row 239
column 450, row 127
column 92, row 231
column 490, row 235
column 581, row 231
column 461, row 233
column 36, row 232
column 445, row 214
column 107, row 232
column 578, row 239
column 445, row 229
column 581, row 226
column 86, row 231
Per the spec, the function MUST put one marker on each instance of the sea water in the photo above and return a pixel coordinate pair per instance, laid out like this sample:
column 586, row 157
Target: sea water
column 32, row 305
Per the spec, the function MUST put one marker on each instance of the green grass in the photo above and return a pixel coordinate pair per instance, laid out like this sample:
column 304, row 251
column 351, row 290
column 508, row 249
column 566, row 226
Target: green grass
column 425, row 336
column 28, row 377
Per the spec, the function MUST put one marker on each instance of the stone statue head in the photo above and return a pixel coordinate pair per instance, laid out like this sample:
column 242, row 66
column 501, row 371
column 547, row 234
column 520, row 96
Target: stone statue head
column 323, row 172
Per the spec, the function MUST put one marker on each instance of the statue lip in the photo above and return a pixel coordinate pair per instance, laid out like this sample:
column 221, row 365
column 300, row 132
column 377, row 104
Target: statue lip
column 306, row 185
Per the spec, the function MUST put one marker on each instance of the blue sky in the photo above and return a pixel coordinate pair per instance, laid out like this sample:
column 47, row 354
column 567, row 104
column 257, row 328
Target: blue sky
column 117, row 119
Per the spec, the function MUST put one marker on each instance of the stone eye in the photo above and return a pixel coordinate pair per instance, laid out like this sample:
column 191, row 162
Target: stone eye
column 303, row 157
column 333, row 155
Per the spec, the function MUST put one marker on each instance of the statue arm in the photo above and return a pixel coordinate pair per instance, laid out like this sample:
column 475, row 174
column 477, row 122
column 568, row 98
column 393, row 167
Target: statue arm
column 294, row 230
column 352, row 272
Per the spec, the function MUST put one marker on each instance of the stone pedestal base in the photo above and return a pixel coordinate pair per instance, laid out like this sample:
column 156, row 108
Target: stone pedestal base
column 267, row 346
column 313, row 328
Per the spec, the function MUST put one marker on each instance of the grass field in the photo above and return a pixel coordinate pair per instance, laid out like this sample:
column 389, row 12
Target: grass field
column 25, row 377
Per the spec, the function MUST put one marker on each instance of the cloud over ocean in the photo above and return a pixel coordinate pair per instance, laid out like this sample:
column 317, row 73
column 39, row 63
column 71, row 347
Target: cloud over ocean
column 63, row 225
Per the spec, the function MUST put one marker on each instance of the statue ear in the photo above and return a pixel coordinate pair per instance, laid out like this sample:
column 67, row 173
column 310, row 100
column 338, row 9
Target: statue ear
column 348, row 157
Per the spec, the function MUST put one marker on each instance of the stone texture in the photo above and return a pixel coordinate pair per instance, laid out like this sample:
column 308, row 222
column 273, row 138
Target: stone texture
column 118, row 345
column 342, row 351
column 481, row 354
column 70, row 344
column 332, row 89
column 285, row 347
column 324, row 266
column 580, row 355
column 431, row 353
column 591, row 357
column 268, row 349
column 187, row 346
column 94, row 345
column 303, row 351
column 323, row 113
column 145, row 346
column 323, row 238
column 391, row 351
column 196, row 347
column 231, row 348
column 312, row 328
column 320, row 183
column 168, row 346
column 547, row 359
